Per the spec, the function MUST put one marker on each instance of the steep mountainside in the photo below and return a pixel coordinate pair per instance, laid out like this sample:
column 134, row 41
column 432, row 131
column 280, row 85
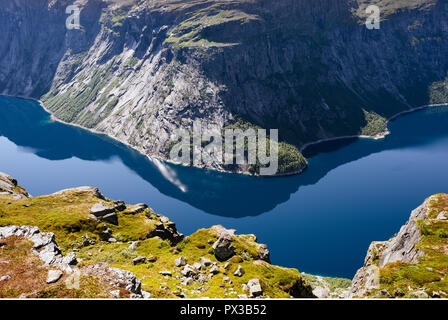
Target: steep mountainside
column 414, row 263
column 137, row 70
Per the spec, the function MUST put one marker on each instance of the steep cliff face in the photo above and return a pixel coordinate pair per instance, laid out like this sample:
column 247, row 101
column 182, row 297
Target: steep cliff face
column 414, row 262
column 137, row 70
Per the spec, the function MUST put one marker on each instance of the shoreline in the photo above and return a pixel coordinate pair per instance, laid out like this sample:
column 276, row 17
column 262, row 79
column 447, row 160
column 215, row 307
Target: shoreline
column 378, row 136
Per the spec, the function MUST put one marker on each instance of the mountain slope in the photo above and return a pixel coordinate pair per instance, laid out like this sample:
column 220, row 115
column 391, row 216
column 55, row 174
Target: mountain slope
column 137, row 70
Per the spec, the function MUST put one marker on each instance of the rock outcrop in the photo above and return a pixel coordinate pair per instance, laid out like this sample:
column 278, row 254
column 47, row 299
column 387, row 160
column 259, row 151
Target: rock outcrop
column 404, row 251
column 9, row 187
column 47, row 249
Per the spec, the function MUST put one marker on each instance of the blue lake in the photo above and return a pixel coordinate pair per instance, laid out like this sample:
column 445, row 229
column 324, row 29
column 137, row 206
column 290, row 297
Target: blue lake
column 320, row 222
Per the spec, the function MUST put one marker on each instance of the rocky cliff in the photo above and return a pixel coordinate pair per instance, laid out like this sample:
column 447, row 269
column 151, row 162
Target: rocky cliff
column 414, row 263
column 137, row 70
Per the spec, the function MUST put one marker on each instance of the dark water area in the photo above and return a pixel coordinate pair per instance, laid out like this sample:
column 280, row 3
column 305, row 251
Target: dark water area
column 321, row 222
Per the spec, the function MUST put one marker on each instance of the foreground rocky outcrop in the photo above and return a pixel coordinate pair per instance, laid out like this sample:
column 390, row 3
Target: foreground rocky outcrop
column 414, row 263
column 64, row 279
column 9, row 187
column 137, row 254
column 138, row 70
column 140, row 254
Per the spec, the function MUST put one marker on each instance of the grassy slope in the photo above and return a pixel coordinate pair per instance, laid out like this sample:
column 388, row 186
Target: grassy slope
column 67, row 215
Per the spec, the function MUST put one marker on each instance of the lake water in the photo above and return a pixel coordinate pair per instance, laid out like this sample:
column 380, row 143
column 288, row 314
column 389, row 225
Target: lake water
column 320, row 222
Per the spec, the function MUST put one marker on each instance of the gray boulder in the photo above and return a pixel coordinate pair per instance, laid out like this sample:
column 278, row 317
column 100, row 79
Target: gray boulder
column 442, row 216
column 54, row 276
column 189, row 271
column 205, row 262
column 255, row 289
column 239, row 272
column 223, row 248
column 111, row 218
column 138, row 260
column 100, row 209
column 180, row 262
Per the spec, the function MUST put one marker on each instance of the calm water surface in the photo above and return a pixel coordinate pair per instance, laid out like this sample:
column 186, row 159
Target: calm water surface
column 320, row 222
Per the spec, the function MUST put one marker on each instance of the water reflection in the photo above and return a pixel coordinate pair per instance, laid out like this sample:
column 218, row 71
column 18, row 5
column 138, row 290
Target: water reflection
column 227, row 195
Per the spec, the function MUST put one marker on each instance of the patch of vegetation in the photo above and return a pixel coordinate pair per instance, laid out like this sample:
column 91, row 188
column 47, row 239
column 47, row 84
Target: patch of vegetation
column 290, row 160
column 376, row 124
column 438, row 92
column 189, row 33
column 335, row 286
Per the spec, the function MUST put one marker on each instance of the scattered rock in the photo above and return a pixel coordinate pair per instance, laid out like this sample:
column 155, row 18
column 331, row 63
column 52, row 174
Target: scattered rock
column 254, row 288
column 138, row 260
column 166, row 273
column 263, row 253
column 223, row 248
column 164, row 219
column 151, row 259
column 116, row 277
column 205, row 262
column 119, row 205
column 146, row 295
column 188, row 271
column 242, row 296
column 381, row 293
column 239, row 271
column 100, row 209
column 214, row 270
column 115, row 293
column 227, row 280
column 134, row 245
column 187, row 281
column 197, row 266
column 54, row 276
column 138, row 208
column 399, row 292
column 70, row 259
column 166, row 232
column 180, row 262
column 442, row 216
column 5, row 278
column 111, row 218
